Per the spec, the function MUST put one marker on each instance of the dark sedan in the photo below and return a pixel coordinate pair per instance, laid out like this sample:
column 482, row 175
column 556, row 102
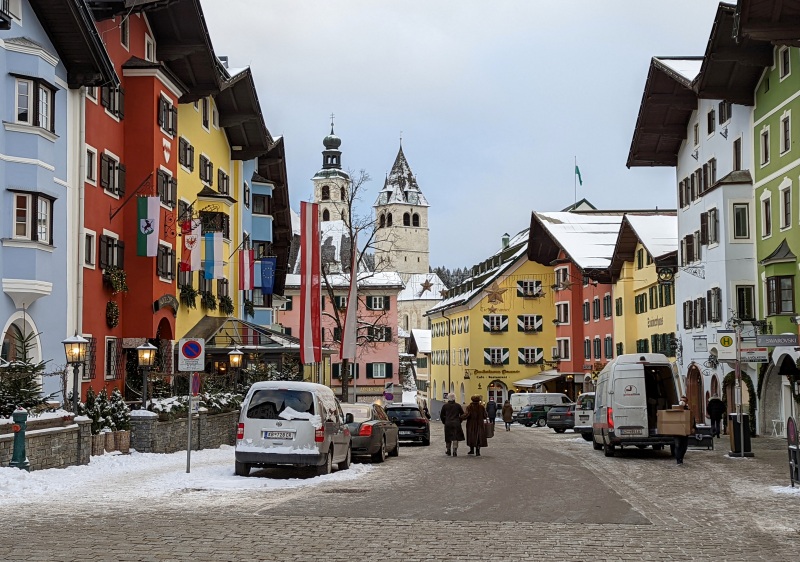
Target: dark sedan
column 413, row 423
column 561, row 418
column 532, row 414
column 371, row 432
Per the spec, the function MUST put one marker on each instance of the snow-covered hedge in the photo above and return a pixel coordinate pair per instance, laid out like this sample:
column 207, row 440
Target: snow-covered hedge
column 178, row 406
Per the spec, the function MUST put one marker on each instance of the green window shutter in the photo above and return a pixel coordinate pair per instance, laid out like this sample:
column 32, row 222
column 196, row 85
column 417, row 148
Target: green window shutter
column 336, row 370
column 521, row 355
column 506, row 356
column 486, row 324
column 337, row 334
column 369, row 370
column 520, row 292
column 322, row 301
column 389, row 367
column 370, row 305
column 386, row 302
column 387, row 334
column 521, row 323
column 504, row 323
column 487, row 356
column 289, row 303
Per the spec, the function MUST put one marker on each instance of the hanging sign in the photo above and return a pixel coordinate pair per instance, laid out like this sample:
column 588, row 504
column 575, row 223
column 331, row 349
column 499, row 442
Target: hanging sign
column 191, row 354
column 754, row 355
column 726, row 345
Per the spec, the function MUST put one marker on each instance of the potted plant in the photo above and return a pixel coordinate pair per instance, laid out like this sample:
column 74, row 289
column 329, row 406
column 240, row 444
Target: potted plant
column 112, row 314
column 249, row 308
column 120, row 417
column 116, row 279
column 188, row 296
column 208, row 300
column 226, row 305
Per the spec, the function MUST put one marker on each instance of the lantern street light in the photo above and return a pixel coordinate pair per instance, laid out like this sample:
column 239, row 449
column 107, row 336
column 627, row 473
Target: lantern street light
column 147, row 354
column 75, row 349
column 235, row 359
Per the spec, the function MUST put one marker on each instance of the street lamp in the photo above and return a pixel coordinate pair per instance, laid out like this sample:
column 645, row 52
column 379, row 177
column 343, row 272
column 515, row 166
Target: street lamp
column 235, row 359
column 147, row 354
column 75, row 349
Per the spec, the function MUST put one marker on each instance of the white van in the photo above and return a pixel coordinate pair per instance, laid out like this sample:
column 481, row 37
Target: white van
column 520, row 399
column 297, row 424
column 630, row 391
column 584, row 415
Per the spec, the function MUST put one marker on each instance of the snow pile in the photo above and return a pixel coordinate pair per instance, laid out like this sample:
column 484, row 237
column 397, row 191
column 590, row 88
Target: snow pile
column 292, row 414
column 788, row 490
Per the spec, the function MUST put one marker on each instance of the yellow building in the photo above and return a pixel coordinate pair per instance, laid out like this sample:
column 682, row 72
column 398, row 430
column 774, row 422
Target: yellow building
column 645, row 257
column 494, row 329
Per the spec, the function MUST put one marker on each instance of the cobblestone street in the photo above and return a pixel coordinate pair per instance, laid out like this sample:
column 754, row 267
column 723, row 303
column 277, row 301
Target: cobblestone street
column 533, row 494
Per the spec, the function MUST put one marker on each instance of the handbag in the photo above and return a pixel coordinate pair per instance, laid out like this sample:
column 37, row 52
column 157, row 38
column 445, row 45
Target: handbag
column 488, row 428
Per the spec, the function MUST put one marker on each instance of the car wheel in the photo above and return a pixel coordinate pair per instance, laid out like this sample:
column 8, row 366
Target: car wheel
column 241, row 468
column 587, row 436
column 345, row 464
column 327, row 466
column 608, row 450
column 396, row 451
column 426, row 441
column 559, row 429
column 380, row 456
column 541, row 422
column 595, row 445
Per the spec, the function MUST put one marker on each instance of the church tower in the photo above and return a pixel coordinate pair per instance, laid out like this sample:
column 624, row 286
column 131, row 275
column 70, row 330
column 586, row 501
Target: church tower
column 401, row 217
column 331, row 183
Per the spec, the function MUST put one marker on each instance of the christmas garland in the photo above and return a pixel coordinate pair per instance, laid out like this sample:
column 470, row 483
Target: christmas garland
column 116, row 278
column 208, row 300
column 112, row 314
column 188, row 296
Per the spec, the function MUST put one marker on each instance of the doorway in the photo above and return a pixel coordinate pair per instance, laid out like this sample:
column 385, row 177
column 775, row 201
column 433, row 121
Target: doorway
column 695, row 393
column 498, row 392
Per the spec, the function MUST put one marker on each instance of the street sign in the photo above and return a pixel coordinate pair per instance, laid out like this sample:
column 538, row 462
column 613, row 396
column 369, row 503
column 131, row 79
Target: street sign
column 754, row 355
column 195, row 383
column 776, row 340
column 192, row 354
column 726, row 350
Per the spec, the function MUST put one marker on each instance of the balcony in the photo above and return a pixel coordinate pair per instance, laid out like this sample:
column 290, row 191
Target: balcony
column 5, row 15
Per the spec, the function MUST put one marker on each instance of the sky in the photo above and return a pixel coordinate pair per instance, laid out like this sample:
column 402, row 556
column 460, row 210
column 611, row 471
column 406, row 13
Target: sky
column 496, row 101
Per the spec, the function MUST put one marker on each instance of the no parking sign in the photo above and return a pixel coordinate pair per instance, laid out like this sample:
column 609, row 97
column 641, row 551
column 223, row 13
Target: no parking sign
column 191, row 354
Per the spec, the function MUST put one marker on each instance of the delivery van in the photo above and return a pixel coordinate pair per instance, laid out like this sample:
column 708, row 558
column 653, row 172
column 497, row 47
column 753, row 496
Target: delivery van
column 630, row 391
column 584, row 415
column 520, row 399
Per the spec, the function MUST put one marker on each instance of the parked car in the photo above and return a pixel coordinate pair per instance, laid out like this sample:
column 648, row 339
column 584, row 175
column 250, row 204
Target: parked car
column 412, row 422
column 371, row 432
column 299, row 424
column 520, row 399
column 584, row 415
column 533, row 414
column 561, row 418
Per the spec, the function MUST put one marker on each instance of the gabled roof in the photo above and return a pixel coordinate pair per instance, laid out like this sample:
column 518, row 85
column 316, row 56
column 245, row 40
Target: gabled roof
column 782, row 254
column 241, row 117
column 420, row 341
column 401, row 185
column 224, row 333
column 366, row 280
column 70, row 26
column 776, row 21
column 658, row 233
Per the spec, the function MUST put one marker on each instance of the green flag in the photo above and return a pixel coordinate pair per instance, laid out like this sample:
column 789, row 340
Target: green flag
column 578, row 173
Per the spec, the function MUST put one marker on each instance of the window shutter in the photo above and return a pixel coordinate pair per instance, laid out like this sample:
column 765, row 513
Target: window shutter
column 704, row 228
column 220, row 181
column 487, row 356
column 104, row 171
column 387, row 334
column 120, row 179
column 105, row 96
column 103, row 252
column 161, row 113
column 520, row 291
column 173, row 191
column 718, row 298
column 337, row 334
column 174, row 121
column 288, row 303
column 386, row 302
column 680, row 192
column 690, row 248
column 190, row 153
column 322, row 302
column 389, row 372
column 120, row 254
column 121, row 103
column 336, row 370
column 369, row 370
column 487, row 324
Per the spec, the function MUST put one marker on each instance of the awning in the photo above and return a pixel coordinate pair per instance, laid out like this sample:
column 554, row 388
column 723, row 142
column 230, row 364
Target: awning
column 538, row 379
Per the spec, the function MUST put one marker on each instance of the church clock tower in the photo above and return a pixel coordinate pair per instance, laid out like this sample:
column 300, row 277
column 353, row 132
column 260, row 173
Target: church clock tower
column 331, row 183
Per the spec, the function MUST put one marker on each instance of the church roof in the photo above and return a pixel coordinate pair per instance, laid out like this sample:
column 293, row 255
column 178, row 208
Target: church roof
column 401, row 185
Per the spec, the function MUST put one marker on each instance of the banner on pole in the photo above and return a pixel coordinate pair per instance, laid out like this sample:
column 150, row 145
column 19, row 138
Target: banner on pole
column 310, row 309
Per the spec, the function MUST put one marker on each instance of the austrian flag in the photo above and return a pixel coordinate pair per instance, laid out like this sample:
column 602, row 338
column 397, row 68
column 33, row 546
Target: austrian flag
column 246, row 277
column 149, row 213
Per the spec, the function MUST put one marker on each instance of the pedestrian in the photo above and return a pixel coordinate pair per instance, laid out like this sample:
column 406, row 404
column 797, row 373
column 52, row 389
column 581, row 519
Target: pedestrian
column 682, row 441
column 491, row 410
column 716, row 410
column 476, row 418
column 508, row 414
column 451, row 415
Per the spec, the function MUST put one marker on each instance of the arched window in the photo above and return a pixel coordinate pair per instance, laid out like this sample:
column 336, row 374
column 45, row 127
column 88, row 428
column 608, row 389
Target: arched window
column 389, row 219
column 405, row 322
column 415, row 220
column 326, row 215
column 382, row 221
column 406, row 219
column 341, row 194
column 11, row 341
column 326, row 193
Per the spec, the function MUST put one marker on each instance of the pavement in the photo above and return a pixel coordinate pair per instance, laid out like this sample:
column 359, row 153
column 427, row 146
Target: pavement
column 533, row 494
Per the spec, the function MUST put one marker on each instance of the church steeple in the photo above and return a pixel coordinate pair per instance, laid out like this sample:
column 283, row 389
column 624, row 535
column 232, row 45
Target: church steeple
column 331, row 183
column 332, row 156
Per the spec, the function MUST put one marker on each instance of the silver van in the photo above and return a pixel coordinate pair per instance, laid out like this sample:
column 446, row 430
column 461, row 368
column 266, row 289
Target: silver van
column 297, row 424
column 630, row 391
column 584, row 415
column 520, row 399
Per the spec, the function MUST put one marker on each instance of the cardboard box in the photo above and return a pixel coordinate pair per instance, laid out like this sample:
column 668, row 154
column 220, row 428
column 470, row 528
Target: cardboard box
column 674, row 422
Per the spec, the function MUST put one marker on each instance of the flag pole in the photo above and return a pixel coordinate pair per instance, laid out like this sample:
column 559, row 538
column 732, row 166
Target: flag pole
column 575, row 179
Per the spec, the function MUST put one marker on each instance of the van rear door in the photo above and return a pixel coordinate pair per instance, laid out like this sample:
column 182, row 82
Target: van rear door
column 629, row 401
column 281, row 417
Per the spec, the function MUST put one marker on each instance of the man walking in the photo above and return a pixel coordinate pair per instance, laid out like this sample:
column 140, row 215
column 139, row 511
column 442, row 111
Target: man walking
column 491, row 410
column 716, row 410
column 451, row 415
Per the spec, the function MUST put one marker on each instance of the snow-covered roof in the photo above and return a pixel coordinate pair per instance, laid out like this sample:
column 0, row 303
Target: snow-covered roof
column 422, row 286
column 295, row 222
column 335, row 241
column 366, row 280
column 422, row 339
column 401, row 185
column 587, row 238
column 657, row 233
column 687, row 68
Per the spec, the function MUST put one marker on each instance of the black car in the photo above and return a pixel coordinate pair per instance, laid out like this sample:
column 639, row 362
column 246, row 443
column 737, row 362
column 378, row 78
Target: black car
column 561, row 418
column 532, row 414
column 412, row 421
column 371, row 431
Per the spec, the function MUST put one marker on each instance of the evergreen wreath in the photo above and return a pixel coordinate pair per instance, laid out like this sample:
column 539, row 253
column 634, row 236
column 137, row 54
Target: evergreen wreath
column 226, row 305
column 112, row 314
column 208, row 300
column 188, row 296
column 116, row 278
column 249, row 308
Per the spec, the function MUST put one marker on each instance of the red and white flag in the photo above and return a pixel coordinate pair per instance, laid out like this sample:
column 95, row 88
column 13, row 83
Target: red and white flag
column 190, row 259
column 310, row 309
column 246, row 260
column 350, row 328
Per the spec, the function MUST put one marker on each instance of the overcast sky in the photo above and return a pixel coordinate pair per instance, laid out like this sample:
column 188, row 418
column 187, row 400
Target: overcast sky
column 494, row 99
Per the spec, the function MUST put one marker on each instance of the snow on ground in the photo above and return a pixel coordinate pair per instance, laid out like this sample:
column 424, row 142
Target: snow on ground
column 785, row 490
column 142, row 476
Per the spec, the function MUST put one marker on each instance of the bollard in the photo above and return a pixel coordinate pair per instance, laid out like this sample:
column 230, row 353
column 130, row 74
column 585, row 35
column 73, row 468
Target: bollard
column 19, row 459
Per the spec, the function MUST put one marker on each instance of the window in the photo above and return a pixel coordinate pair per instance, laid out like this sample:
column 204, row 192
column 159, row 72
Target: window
column 596, row 308
column 326, row 193
column 737, row 154
column 780, row 295
column 33, row 217
column 765, row 146
column 597, row 348
column 562, row 313
column 379, row 333
column 639, row 258
column 89, row 248
column 223, row 182
column 713, row 226
column 215, row 221
column 609, row 347
column 766, row 217
column 204, row 285
column 696, row 131
column 530, row 288
column 714, row 299
column 531, row 355
column 745, row 302
column 786, row 204
column 167, row 116
column 712, row 173
column 149, row 49
column 113, row 359
column 35, row 104
column 642, row 346
column 91, row 93
column 340, row 302
column 415, row 219
column 186, row 154
column 607, row 306
column 113, row 99
column 206, row 170
column 640, row 303
column 562, row 348
column 167, row 187
column 586, row 311
column 185, row 278
column 91, row 165
column 378, row 370
column 495, row 322
column 215, row 117
column 711, row 121
column 618, row 303
column 724, row 112
column 125, row 32
column 165, row 263
column 587, row 348
column 377, row 303
column 406, row 219
column 112, row 252
column 223, row 288
column 741, row 221
column 620, row 349
column 326, row 215
column 261, row 300
column 531, row 323
column 206, row 112
column 246, row 195
column 562, row 278
column 786, row 134
column 785, row 63
column 112, row 175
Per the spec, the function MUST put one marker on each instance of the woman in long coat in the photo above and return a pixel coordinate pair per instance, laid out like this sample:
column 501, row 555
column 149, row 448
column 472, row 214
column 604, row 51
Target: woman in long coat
column 476, row 433
column 451, row 418
column 508, row 415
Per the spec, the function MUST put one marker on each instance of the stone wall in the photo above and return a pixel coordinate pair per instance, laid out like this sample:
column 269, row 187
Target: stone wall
column 149, row 435
column 52, row 447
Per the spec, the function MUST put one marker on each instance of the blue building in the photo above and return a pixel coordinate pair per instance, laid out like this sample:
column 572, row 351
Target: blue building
column 49, row 52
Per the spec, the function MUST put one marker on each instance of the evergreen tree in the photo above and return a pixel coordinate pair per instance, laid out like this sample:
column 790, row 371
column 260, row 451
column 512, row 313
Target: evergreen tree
column 120, row 414
column 103, row 407
column 19, row 380
column 89, row 409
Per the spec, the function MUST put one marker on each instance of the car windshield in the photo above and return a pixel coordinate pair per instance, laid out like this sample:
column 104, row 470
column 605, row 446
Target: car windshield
column 586, row 402
column 360, row 413
column 560, row 409
column 528, row 408
column 409, row 413
column 267, row 404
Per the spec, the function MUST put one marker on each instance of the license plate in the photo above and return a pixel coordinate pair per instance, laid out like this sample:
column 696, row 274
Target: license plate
column 555, row 417
column 630, row 431
column 406, row 433
column 278, row 435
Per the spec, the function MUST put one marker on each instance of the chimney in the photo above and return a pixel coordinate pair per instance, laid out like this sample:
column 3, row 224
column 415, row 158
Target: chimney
column 224, row 60
column 505, row 240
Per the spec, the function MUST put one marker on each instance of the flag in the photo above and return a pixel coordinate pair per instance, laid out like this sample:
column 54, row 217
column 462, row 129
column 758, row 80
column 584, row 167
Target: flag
column 190, row 259
column 268, row 275
column 246, row 259
column 149, row 212
column 578, row 173
column 310, row 314
column 213, row 260
column 350, row 329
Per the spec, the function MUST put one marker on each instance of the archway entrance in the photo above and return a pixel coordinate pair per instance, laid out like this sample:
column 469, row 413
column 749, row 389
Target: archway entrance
column 695, row 393
column 498, row 392
column 776, row 396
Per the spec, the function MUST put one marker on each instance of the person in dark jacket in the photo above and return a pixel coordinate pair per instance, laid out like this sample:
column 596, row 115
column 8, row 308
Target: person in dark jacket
column 508, row 415
column 716, row 410
column 491, row 409
column 451, row 415
column 476, row 433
